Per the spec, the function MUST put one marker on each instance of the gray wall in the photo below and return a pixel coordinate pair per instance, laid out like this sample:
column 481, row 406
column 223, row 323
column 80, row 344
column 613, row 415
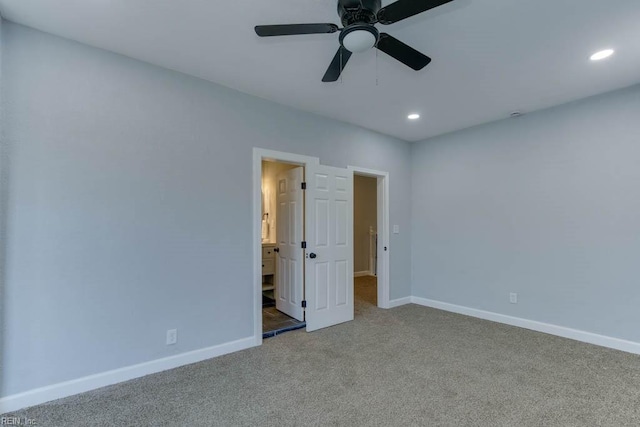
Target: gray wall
column 365, row 209
column 546, row 205
column 129, row 206
column 3, row 201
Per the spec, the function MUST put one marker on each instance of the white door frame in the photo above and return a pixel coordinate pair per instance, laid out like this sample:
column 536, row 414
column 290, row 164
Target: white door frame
column 383, row 230
column 260, row 154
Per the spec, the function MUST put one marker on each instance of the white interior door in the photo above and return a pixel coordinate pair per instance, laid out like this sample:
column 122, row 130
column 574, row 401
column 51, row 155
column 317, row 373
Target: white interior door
column 329, row 252
column 289, row 291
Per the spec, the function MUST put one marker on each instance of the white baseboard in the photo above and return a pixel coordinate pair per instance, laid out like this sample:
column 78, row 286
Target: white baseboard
column 92, row 382
column 547, row 328
column 400, row 301
column 362, row 273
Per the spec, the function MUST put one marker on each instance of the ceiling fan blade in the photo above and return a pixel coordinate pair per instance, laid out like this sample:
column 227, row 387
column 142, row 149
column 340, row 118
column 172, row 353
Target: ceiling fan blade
column 295, row 29
column 337, row 65
column 403, row 53
column 403, row 9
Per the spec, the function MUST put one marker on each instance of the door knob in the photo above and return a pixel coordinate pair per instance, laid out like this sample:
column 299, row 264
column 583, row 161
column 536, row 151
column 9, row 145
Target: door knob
column 276, row 249
column 312, row 255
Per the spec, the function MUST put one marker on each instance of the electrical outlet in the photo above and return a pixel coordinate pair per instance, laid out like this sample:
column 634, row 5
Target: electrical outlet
column 396, row 229
column 513, row 298
column 172, row 336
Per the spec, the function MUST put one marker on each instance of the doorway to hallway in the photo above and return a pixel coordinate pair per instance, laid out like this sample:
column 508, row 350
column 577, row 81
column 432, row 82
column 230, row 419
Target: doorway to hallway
column 365, row 242
column 371, row 239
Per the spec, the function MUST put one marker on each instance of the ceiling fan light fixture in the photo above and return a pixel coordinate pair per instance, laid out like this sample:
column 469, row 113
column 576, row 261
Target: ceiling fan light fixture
column 359, row 38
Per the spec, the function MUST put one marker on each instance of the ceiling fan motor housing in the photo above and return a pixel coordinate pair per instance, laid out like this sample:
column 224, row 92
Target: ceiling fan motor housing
column 358, row 11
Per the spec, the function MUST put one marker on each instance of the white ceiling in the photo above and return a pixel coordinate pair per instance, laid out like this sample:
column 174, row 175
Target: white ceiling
column 490, row 57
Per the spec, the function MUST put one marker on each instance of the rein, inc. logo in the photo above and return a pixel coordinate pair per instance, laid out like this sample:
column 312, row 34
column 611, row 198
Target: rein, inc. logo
column 17, row 421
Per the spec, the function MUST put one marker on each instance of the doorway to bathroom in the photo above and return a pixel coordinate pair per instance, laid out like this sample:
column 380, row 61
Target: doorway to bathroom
column 281, row 234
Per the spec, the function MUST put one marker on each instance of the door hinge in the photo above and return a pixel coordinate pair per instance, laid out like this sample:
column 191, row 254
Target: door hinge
column 303, row 185
column 304, row 245
column 304, row 303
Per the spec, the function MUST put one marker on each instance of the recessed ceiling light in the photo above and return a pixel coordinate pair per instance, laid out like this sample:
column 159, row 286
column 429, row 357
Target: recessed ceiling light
column 413, row 116
column 603, row 54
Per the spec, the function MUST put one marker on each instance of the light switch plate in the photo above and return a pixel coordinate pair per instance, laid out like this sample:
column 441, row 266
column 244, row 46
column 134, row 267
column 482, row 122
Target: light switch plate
column 396, row 229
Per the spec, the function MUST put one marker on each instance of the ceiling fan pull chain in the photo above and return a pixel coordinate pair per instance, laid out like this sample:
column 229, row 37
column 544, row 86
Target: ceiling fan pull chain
column 341, row 69
column 376, row 67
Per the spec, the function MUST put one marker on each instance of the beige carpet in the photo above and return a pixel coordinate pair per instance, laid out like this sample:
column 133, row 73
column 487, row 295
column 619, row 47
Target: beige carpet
column 409, row 366
column 366, row 291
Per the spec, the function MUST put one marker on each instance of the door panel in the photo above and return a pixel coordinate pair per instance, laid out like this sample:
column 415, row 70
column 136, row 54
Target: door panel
column 322, row 285
column 341, row 283
column 322, row 223
column 329, row 225
column 289, row 274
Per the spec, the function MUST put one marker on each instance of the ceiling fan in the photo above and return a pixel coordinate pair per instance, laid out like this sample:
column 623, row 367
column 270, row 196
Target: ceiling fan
column 359, row 33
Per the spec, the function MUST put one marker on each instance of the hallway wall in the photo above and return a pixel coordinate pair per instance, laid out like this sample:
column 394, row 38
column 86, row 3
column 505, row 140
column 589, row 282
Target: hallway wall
column 365, row 209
